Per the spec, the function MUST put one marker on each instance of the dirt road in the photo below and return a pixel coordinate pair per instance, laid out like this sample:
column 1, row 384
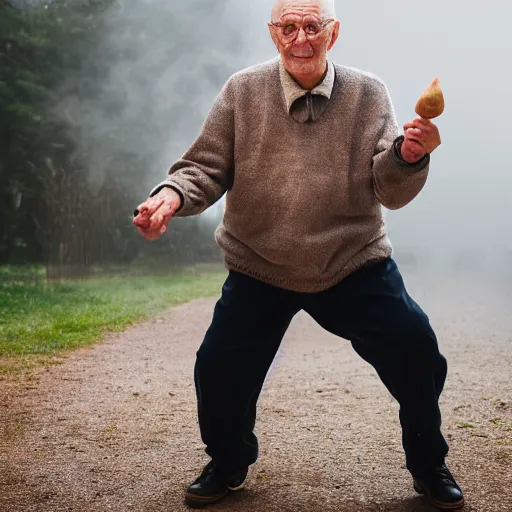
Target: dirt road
column 114, row 428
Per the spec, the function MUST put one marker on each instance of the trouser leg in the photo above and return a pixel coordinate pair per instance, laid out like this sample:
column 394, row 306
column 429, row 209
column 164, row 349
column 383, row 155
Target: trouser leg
column 248, row 324
column 373, row 310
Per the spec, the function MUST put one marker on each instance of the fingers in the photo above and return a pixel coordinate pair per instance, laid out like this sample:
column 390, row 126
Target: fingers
column 419, row 129
column 151, row 228
column 153, row 221
column 158, row 220
column 424, row 125
column 420, row 123
column 412, row 151
column 150, row 206
column 163, row 215
column 142, row 221
column 423, row 132
column 413, row 145
column 153, row 215
column 414, row 134
column 149, row 235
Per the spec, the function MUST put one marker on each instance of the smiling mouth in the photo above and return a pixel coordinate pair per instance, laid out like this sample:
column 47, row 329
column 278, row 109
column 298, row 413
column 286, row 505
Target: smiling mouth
column 301, row 56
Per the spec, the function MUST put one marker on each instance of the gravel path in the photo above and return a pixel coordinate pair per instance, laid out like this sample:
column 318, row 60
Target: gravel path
column 114, row 428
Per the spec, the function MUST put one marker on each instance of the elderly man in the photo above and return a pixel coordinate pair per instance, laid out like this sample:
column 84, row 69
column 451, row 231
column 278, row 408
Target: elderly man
column 307, row 153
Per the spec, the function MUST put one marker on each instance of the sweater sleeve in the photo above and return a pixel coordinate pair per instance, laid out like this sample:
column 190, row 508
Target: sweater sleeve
column 395, row 181
column 205, row 172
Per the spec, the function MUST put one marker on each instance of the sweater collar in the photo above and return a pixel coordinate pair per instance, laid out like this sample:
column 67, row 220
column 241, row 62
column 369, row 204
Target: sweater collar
column 293, row 91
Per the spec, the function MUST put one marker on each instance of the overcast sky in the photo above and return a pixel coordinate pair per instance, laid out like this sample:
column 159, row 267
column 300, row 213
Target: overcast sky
column 468, row 44
column 180, row 53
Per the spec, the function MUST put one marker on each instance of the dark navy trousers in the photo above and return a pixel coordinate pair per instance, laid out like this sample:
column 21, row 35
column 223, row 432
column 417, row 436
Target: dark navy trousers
column 371, row 308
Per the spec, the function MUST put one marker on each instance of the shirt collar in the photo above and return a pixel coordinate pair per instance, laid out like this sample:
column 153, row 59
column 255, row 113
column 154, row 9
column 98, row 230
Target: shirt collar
column 293, row 91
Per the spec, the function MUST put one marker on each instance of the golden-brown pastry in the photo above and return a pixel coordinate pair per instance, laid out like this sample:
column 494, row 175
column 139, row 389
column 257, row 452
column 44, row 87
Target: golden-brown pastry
column 431, row 102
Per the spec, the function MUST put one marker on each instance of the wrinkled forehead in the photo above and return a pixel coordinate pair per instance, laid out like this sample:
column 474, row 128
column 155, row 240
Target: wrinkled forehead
column 297, row 7
column 297, row 16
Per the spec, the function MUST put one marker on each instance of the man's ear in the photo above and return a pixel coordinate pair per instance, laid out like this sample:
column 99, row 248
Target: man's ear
column 334, row 35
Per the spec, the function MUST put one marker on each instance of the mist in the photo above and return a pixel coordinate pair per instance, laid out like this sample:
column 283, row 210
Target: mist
column 166, row 63
column 464, row 208
column 172, row 58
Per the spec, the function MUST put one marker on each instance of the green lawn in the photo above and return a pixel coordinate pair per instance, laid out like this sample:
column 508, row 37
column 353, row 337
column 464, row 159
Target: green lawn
column 39, row 319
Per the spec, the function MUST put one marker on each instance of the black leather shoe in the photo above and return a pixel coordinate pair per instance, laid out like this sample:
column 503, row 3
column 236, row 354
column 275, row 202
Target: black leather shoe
column 213, row 484
column 440, row 488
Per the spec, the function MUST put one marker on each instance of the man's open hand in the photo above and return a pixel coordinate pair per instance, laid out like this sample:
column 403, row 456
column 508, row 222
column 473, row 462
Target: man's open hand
column 155, row 213
column 421, row 137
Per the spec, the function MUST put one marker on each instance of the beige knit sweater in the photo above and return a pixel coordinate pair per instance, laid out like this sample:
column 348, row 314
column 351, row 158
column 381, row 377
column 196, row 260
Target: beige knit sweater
column 303, row 201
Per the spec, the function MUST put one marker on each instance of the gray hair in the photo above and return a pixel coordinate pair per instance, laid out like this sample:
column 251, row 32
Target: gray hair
column 327, row 8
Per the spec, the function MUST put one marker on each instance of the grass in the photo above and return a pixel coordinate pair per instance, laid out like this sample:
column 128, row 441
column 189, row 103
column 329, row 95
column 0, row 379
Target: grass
column 39, row 320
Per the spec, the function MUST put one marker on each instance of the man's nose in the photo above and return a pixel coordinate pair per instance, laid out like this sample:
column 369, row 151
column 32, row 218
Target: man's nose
column 301, row 36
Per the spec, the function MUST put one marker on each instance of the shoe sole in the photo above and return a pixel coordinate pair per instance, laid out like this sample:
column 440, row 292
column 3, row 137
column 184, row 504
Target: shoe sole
column 195, row 501
column 441, row 506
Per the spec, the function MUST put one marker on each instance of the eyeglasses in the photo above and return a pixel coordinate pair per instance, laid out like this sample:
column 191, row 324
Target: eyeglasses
column 288, row 29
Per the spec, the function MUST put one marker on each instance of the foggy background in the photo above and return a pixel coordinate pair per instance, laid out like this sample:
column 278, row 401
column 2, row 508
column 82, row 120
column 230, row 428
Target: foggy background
column 149, row 75
column 465, row 206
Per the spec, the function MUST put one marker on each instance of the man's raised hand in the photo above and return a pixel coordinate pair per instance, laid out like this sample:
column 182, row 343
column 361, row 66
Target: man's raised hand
column 421, row 137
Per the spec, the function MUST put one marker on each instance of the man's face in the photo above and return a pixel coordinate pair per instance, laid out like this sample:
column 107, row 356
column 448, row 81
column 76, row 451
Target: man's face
column 303, row 36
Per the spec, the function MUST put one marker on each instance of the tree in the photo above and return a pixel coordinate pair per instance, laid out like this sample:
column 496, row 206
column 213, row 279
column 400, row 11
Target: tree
column 41, row 45
column 96, row 98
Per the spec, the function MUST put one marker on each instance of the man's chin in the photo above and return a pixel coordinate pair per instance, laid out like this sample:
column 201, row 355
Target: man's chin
column 301, row 65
